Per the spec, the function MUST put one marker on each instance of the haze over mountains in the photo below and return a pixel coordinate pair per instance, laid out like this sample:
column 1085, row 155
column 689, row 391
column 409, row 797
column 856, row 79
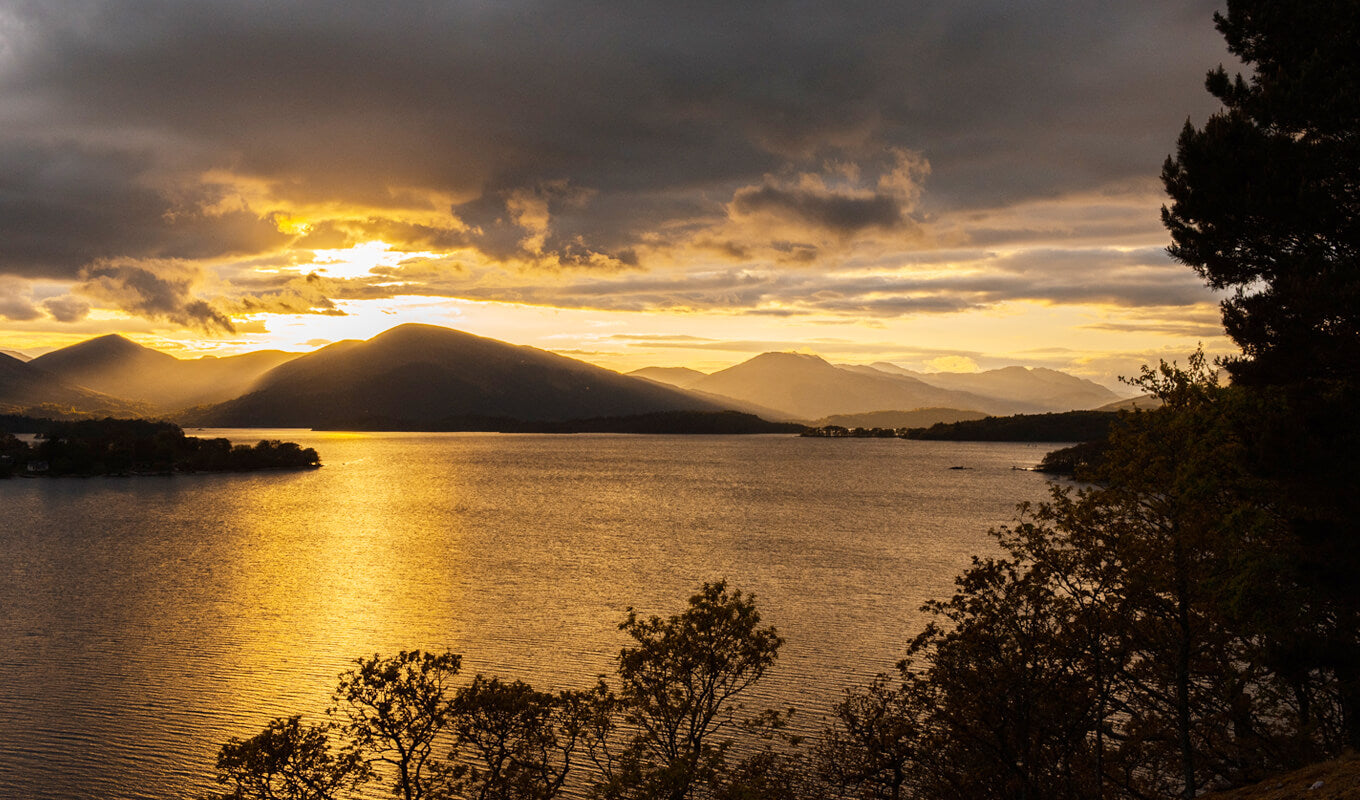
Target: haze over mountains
column 420, row 377
column 122, row 368
column 807, row 387
column 25, row 388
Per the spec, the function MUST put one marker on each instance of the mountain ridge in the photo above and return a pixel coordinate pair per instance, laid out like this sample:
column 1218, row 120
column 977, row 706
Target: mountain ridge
column 424, row 375
column 119, row 367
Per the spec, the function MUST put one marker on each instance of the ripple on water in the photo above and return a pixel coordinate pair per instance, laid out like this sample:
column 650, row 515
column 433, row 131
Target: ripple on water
column 146, row 621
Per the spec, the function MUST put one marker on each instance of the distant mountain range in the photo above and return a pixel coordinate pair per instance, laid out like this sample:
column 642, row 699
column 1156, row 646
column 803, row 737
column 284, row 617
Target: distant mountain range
column 807, row 387
column 423, row 377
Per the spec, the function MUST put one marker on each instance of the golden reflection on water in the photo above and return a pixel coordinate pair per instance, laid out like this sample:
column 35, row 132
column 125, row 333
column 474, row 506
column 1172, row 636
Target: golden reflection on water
column 152, row 619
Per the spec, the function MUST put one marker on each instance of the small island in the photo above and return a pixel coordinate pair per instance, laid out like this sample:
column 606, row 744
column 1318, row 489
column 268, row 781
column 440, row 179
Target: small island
column 86, row 448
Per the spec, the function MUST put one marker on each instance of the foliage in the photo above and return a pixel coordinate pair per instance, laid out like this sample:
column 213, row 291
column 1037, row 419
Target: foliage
column 871, row 752
column 678, row 692
column 1147, row 635
column 1264, row 196
column 511, row 741
column 1067, row 426
column 666, row 734
column 127, row 446
column 394, row 709
column 288, row 761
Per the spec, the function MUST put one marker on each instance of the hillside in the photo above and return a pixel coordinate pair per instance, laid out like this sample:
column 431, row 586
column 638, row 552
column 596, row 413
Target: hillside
column 422, row 376
column 1338, row 779
column 1046, row 389
column 122, row 368
column 25, row 387
column 808, row 387
column 683, row 377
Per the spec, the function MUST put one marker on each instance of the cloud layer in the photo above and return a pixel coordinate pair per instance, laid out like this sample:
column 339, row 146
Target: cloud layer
column 184, row 162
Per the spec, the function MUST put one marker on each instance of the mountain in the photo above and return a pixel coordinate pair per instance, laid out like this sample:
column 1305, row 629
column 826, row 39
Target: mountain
column 422, row 376
column 117, row 366
column 807, row 387
column 15, row 354
column 1045, row 389
column 25, row 388
column 683, row 377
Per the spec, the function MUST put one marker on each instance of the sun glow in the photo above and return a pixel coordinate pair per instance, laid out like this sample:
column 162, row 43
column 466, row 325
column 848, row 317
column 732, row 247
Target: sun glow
column 360, row 260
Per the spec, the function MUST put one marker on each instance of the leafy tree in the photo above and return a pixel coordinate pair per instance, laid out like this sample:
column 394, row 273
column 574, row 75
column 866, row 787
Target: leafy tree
column 679, row 686
column 1266, row 196
column 288, row 761
column 514, row 743
column 394, row 709
column 871, row 750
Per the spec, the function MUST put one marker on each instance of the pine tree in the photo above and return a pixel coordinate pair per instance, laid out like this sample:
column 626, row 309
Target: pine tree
column 1266, row 196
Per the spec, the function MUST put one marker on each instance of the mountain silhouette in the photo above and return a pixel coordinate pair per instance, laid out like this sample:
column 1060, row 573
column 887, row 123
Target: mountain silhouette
column 422, row 376
column 808, row 387
column 26, row 388
column 120, row 367
column 683, row 377
column 1046, row 389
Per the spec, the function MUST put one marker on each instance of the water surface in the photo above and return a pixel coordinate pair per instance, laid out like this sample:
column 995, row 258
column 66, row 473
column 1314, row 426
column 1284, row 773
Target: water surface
column 145, row 620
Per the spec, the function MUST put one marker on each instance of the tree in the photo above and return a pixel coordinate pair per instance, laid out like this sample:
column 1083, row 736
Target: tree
column 1266, row 204
column 514, row 743
column 288, row 761
column 678, row 693
column 871, row 749
column 394, row 709
column 1266, row 196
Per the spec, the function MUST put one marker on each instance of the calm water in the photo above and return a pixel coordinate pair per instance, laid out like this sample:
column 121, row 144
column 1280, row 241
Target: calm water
column 146, row 620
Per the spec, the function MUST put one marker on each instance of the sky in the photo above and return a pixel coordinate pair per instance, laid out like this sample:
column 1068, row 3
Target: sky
column 943, row 184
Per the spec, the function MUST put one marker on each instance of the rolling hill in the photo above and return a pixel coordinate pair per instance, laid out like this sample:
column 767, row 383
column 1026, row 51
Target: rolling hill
column 683, row 377
column 808, row 387
column 422, row 376
column 122, row 368
column 1045, row 389
column 26, row 388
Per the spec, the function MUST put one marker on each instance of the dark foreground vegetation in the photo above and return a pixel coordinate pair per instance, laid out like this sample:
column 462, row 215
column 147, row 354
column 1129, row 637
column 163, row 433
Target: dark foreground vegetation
column 1187, row 620
column 134, row 447
column 1066, row 426
column 659, row 422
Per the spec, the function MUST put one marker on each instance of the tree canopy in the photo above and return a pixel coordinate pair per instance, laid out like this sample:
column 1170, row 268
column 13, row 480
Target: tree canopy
column 1266, row 196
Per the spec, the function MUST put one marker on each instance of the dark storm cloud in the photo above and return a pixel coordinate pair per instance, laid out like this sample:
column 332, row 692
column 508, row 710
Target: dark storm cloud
column 659, row 112
column 66, row 203
column 840, row 214
column 164, row 290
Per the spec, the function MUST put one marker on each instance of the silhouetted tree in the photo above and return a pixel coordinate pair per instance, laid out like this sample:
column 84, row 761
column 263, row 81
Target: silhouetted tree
column 394, row 709
column 678, row 695
column 288, row 761
column 1264, row 198
column 514, row 743
column 870, row 752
